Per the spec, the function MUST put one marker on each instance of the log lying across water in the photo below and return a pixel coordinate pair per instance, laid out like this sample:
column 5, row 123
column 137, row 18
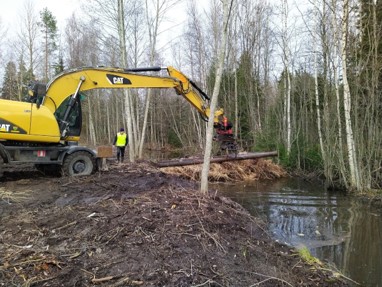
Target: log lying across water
column 191, row 161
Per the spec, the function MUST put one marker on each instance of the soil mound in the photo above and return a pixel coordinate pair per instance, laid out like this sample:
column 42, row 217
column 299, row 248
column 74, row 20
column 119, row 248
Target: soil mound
column 135, row 225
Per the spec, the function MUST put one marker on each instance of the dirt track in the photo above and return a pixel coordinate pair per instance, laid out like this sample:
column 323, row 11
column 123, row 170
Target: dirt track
column 136, row 226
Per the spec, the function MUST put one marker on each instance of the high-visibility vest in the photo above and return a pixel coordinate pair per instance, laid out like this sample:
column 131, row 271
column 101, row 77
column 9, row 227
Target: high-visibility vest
column 121, row 139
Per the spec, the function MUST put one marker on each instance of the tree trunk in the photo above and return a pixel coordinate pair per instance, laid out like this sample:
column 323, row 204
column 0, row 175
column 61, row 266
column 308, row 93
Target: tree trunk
column 193, row 161
column 128, row 108
column 153, row 34
column 354, row 180
column 214, row 100
column 318, row 111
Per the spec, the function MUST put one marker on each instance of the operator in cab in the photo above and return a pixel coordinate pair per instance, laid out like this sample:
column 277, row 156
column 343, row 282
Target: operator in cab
column 223, row 127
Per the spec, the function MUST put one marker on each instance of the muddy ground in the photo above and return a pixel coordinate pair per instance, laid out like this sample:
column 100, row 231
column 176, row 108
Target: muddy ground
column 135, row 225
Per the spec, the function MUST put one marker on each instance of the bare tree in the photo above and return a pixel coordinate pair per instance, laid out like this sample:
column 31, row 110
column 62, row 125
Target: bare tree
column 28, row 35
column 128, row 102
column 2, row 37
column 153, row 23
column 227, row 5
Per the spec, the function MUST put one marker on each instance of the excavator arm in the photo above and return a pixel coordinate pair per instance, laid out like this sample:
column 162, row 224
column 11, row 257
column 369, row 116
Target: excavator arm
column 71, row 83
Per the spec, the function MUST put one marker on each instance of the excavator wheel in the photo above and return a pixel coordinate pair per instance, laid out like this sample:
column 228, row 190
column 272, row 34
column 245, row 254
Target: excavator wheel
column 78, row 163
column 1, row 166
column 49, row 169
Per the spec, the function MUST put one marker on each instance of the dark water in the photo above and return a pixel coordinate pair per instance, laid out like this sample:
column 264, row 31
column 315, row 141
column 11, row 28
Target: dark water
column 337, row 229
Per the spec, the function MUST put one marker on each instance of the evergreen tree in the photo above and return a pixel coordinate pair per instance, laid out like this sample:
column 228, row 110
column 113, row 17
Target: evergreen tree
column 9, row 90
column 24, row 77
column 49, row 29
column 59, row 67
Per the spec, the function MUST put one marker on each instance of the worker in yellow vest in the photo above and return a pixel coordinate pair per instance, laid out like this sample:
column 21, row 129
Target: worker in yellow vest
column 120, row 141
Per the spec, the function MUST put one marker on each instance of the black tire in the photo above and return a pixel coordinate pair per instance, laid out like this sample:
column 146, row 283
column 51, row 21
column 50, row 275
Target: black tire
column 78, row 163
column 1, row 166
column 48, row 169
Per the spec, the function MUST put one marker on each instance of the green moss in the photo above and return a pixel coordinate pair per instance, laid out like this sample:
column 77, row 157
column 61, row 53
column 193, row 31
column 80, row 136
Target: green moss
column 307, row 256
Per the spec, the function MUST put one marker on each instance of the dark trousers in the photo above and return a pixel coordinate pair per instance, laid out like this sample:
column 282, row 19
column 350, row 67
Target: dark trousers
column 120, row 153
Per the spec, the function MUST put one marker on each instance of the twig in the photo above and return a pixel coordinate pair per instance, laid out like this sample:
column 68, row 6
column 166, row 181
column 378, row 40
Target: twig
column 27, row 261
column 341, row 275
column 19, row 246
column 101, row 280
column 296, row 264
column 31, row 282
column 88, row 272
column 271, row 278
column 205, row 283
column 267, row 279
column 122, row 282
column 182, row 271
column 119, row 229
column 66, row 225
column 217, row 243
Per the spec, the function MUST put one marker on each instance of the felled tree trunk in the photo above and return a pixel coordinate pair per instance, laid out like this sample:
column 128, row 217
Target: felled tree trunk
column 192, row 161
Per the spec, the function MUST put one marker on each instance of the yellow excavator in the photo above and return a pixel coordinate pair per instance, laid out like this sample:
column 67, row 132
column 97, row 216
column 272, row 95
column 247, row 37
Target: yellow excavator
column 45, row 130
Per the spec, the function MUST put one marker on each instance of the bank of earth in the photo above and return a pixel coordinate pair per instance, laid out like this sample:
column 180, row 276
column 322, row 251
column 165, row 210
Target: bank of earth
column 137, row 225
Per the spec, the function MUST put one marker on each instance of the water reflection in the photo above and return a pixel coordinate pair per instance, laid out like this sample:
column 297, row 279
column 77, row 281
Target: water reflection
column 335, row 228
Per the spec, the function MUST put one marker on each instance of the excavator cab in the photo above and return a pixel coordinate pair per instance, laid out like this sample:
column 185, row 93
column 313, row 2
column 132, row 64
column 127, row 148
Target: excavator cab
column 36, row 93
column 73, row 123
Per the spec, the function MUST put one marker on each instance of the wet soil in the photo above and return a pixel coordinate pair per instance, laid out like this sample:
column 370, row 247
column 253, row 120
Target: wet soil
column 135, row 225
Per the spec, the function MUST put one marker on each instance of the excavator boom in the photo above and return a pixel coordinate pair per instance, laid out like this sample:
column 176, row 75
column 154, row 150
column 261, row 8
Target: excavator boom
column 66, row 84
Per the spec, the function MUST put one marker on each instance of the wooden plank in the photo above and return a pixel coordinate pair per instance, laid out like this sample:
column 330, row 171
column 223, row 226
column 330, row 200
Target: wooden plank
column 192, row 161
column 105, row 151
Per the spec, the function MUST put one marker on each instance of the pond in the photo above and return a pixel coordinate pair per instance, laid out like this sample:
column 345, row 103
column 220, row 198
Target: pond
column 339, row 230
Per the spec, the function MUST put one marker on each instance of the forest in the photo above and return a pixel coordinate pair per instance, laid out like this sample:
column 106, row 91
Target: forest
column 300, row 78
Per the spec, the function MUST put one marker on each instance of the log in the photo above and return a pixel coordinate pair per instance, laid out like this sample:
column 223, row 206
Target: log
column 192, row 161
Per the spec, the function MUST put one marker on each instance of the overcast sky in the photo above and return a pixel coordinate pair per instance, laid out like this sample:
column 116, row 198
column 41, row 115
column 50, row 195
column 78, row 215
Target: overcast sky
column 11, row 10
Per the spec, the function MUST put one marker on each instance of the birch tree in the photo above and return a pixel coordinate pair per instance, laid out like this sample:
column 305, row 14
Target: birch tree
column 128, row 103
column 195, row 58
column 227, row 6
column 334, row 67
column 287, row 80
column 353, row 166
column 319, row 37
